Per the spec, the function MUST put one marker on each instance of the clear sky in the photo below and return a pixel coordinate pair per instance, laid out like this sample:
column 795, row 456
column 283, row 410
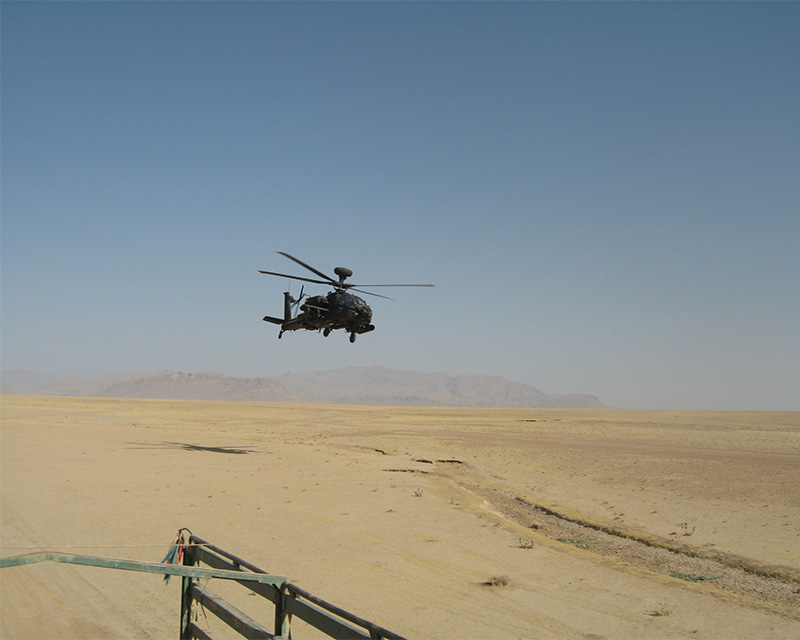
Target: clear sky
column 606, row 195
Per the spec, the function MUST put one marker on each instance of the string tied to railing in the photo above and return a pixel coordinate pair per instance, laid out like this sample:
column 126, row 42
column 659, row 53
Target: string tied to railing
column 176, row 551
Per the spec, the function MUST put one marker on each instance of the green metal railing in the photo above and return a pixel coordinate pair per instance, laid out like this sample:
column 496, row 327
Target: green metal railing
column 289, row 600
column 197, row 573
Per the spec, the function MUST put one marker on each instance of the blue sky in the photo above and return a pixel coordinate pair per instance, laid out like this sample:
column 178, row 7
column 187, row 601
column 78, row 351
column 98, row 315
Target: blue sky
column 606, row 195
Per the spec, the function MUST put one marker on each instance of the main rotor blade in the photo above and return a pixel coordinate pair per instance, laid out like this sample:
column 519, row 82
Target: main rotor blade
column 369, row 293
column 394, row 285
column 286, row 275
column 310, row 268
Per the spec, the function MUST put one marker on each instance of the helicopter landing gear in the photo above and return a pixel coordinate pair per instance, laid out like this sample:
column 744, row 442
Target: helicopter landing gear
column 326, row 332
column 280, row 334
column 352, row 337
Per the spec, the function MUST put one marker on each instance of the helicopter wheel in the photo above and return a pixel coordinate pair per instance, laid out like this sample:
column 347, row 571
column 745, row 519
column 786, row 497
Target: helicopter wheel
column 326, row 332
column 352, row 337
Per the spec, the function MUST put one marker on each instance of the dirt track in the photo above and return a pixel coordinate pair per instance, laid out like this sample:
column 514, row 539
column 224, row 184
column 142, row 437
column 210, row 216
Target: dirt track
column 402, row 515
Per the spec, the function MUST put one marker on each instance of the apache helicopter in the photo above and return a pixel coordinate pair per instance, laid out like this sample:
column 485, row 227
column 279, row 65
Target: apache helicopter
column 337, row 310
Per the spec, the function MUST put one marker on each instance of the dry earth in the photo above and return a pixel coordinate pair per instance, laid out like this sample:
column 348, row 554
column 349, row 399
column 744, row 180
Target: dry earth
column 403, row 514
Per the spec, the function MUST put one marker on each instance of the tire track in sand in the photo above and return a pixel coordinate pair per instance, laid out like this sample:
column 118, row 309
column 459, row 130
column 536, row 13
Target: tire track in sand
column 774, row 587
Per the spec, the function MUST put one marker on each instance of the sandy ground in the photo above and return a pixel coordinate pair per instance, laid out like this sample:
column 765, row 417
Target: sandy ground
column 402, row 514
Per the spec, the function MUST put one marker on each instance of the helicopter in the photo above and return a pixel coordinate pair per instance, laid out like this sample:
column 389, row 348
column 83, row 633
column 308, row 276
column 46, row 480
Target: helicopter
column 339, row 309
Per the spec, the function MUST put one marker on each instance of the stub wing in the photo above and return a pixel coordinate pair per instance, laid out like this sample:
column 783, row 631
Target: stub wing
column 274, row 320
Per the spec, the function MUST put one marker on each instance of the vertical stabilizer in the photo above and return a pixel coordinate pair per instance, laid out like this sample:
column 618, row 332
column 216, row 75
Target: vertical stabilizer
column 287, row 306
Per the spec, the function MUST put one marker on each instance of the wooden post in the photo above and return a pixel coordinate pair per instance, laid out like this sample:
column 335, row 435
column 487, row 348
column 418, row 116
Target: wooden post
column 283, row 619
column 186, row 593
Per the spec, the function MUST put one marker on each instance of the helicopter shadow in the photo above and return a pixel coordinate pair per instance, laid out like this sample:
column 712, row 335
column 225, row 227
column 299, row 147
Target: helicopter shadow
column 185, row 446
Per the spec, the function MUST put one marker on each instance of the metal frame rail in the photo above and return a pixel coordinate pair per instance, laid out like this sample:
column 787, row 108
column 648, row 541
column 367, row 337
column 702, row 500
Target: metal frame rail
column 289, row 600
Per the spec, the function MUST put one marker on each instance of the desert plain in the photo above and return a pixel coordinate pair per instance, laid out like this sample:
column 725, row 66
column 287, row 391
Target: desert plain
column 435, row 523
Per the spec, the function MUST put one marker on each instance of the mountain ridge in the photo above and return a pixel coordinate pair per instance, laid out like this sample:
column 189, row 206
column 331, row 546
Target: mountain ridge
column 374, row 385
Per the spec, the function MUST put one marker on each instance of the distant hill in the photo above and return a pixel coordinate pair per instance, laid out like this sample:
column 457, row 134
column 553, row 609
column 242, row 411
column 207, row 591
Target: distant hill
column 24, row 382
column 352, row 385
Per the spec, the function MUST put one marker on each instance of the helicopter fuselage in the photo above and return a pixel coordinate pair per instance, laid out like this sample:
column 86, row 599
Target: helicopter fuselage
column 337, row 310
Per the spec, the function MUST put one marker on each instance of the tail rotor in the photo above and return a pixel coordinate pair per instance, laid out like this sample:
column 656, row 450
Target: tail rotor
column 296, row 302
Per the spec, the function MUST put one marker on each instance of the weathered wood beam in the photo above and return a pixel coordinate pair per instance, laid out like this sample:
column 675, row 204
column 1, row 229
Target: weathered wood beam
column 230, row 615
column 145, row 567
